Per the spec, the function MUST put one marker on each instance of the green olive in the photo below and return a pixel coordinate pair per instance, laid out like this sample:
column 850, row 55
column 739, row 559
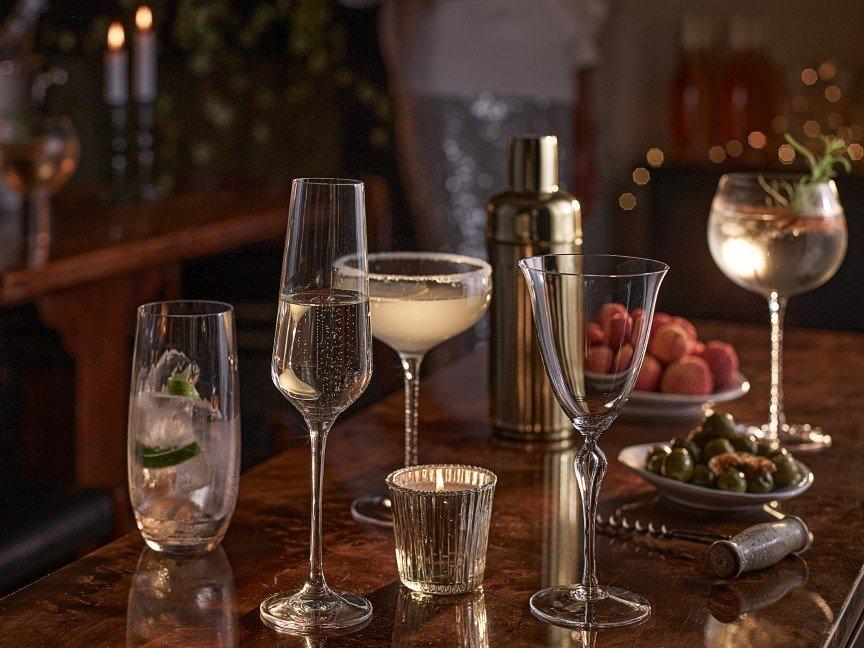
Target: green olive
column 732, row 480
column 690, row 446
column 720, row 424
column 745, row 443
column 699, row 436
column 715, row 447
column 787, row 471
column 761, row 483
column 656, row 455
column 702, row 476
column 678, row 465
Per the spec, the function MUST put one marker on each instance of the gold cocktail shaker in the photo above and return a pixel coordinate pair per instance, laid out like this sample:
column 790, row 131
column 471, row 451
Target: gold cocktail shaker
column 534, row 216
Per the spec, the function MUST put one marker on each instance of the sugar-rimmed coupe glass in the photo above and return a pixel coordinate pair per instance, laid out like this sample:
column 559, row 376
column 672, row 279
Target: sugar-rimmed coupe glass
column 419, row 300
column 778, row 251
column 322, row 362
column 567, row 292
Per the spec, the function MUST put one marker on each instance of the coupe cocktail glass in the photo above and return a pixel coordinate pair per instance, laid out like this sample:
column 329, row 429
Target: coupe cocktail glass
column 778, row 251
column 419, row 300
column 567, row 292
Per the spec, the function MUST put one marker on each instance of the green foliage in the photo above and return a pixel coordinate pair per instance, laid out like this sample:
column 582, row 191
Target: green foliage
column 791, row 195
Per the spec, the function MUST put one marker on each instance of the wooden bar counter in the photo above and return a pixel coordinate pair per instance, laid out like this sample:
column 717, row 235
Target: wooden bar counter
column 123, row 595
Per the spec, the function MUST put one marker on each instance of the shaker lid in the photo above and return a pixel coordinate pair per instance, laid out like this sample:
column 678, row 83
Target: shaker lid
column 533, row 163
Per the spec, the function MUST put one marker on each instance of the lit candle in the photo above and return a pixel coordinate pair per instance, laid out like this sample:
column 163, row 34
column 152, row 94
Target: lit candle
column 116, row 62
column 144, row 61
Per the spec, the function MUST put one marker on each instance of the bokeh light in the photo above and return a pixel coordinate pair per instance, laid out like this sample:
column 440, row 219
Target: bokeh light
column 835, row 120
column 856, row 132
column 833, row 94
column 734, row 148
column 655, row 157
column 855, row 151
column 827, row 70
column 641, row 175
column 627, row 201
column 780, row 124
column 800, row 104
column 716, row 154
column 809, row 76
column 757, row 139
column 811, row 128
column 786, row 154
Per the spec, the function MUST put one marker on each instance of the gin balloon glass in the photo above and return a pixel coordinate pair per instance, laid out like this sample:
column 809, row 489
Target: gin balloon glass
column 419, row 300
column 567, row 292
column 778, row 245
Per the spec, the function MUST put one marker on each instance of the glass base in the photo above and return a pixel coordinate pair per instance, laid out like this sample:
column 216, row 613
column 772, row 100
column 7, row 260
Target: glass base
column 567, row 605
column 300, row 613
column 799, row 438
column 374, row 510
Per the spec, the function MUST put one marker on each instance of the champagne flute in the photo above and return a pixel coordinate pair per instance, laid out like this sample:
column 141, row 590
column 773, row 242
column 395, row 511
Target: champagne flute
column 778, row 251
column 567, row 292
column 322, row 362
column 419, row 300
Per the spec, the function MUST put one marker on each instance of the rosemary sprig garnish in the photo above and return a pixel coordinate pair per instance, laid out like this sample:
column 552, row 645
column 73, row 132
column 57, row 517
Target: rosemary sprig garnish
column 786, row 194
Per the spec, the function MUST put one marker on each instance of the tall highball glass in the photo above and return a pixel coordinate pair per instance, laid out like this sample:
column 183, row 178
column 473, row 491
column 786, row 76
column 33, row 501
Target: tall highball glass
column 778, row 251
column 322, row 362
column 567, row 292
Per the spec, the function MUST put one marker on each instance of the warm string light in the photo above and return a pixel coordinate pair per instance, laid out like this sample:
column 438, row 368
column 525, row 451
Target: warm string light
column 116, row 36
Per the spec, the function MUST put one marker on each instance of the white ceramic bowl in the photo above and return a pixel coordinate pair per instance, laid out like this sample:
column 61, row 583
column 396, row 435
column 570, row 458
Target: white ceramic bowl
column 709, row 499
column 660, row 405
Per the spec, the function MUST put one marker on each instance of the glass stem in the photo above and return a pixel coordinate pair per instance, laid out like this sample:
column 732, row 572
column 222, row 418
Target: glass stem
column 315, row 584
column 411, row 366
column 38, row 227
column 590, row 467
column 777, row 418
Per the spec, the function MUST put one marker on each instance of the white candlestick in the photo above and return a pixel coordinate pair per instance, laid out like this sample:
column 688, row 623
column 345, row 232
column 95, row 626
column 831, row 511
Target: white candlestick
column 144, row 58
column 116, row 62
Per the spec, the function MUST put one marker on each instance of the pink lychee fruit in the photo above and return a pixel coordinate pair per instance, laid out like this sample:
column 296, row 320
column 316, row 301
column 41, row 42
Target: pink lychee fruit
column 617, row 329
column 687, row 325
column 649, row 374
column 689, row 375
column 622, row 358
column 669, row 343
column 696, row 347
column 594, row 334
column 723, row 362
column 599, row 359
column 607, row 311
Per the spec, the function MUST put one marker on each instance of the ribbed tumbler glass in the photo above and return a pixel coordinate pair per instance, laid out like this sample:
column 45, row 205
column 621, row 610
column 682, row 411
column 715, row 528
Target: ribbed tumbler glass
column 441, row 525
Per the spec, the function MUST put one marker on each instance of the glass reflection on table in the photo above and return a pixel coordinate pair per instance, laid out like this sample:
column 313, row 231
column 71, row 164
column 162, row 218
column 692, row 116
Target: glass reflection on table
column 184, row 601
column 454, row 621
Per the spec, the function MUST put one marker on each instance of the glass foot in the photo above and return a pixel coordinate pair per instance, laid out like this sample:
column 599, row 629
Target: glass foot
column 301, row 613
column 798, row 438
column 374, row 510
column 567, row 605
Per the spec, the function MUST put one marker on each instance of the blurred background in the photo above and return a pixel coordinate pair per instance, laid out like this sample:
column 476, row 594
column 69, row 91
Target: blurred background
column 179, row 187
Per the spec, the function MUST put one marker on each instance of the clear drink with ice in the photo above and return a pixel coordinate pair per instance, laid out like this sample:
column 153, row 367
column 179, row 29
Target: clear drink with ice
column 184, row 442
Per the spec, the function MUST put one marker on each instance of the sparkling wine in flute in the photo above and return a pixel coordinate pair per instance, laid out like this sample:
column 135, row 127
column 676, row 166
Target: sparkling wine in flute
column 772, row 251
column 322, row 359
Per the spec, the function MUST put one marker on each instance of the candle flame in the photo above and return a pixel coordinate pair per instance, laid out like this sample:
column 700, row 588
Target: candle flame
column 144, row 18
column 116, row 37
column 439, row 481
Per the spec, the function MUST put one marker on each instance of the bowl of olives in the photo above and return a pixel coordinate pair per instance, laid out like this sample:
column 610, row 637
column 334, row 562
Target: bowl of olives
column 719, row 467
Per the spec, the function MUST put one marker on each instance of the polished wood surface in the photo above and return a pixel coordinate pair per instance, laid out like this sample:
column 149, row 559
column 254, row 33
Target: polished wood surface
column 123, row 595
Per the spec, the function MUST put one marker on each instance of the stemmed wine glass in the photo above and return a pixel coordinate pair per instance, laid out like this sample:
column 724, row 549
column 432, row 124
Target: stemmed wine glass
column 418, row 301
column 322, row 362
column 567, row 292
column 778, row 251
column 38, row 154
